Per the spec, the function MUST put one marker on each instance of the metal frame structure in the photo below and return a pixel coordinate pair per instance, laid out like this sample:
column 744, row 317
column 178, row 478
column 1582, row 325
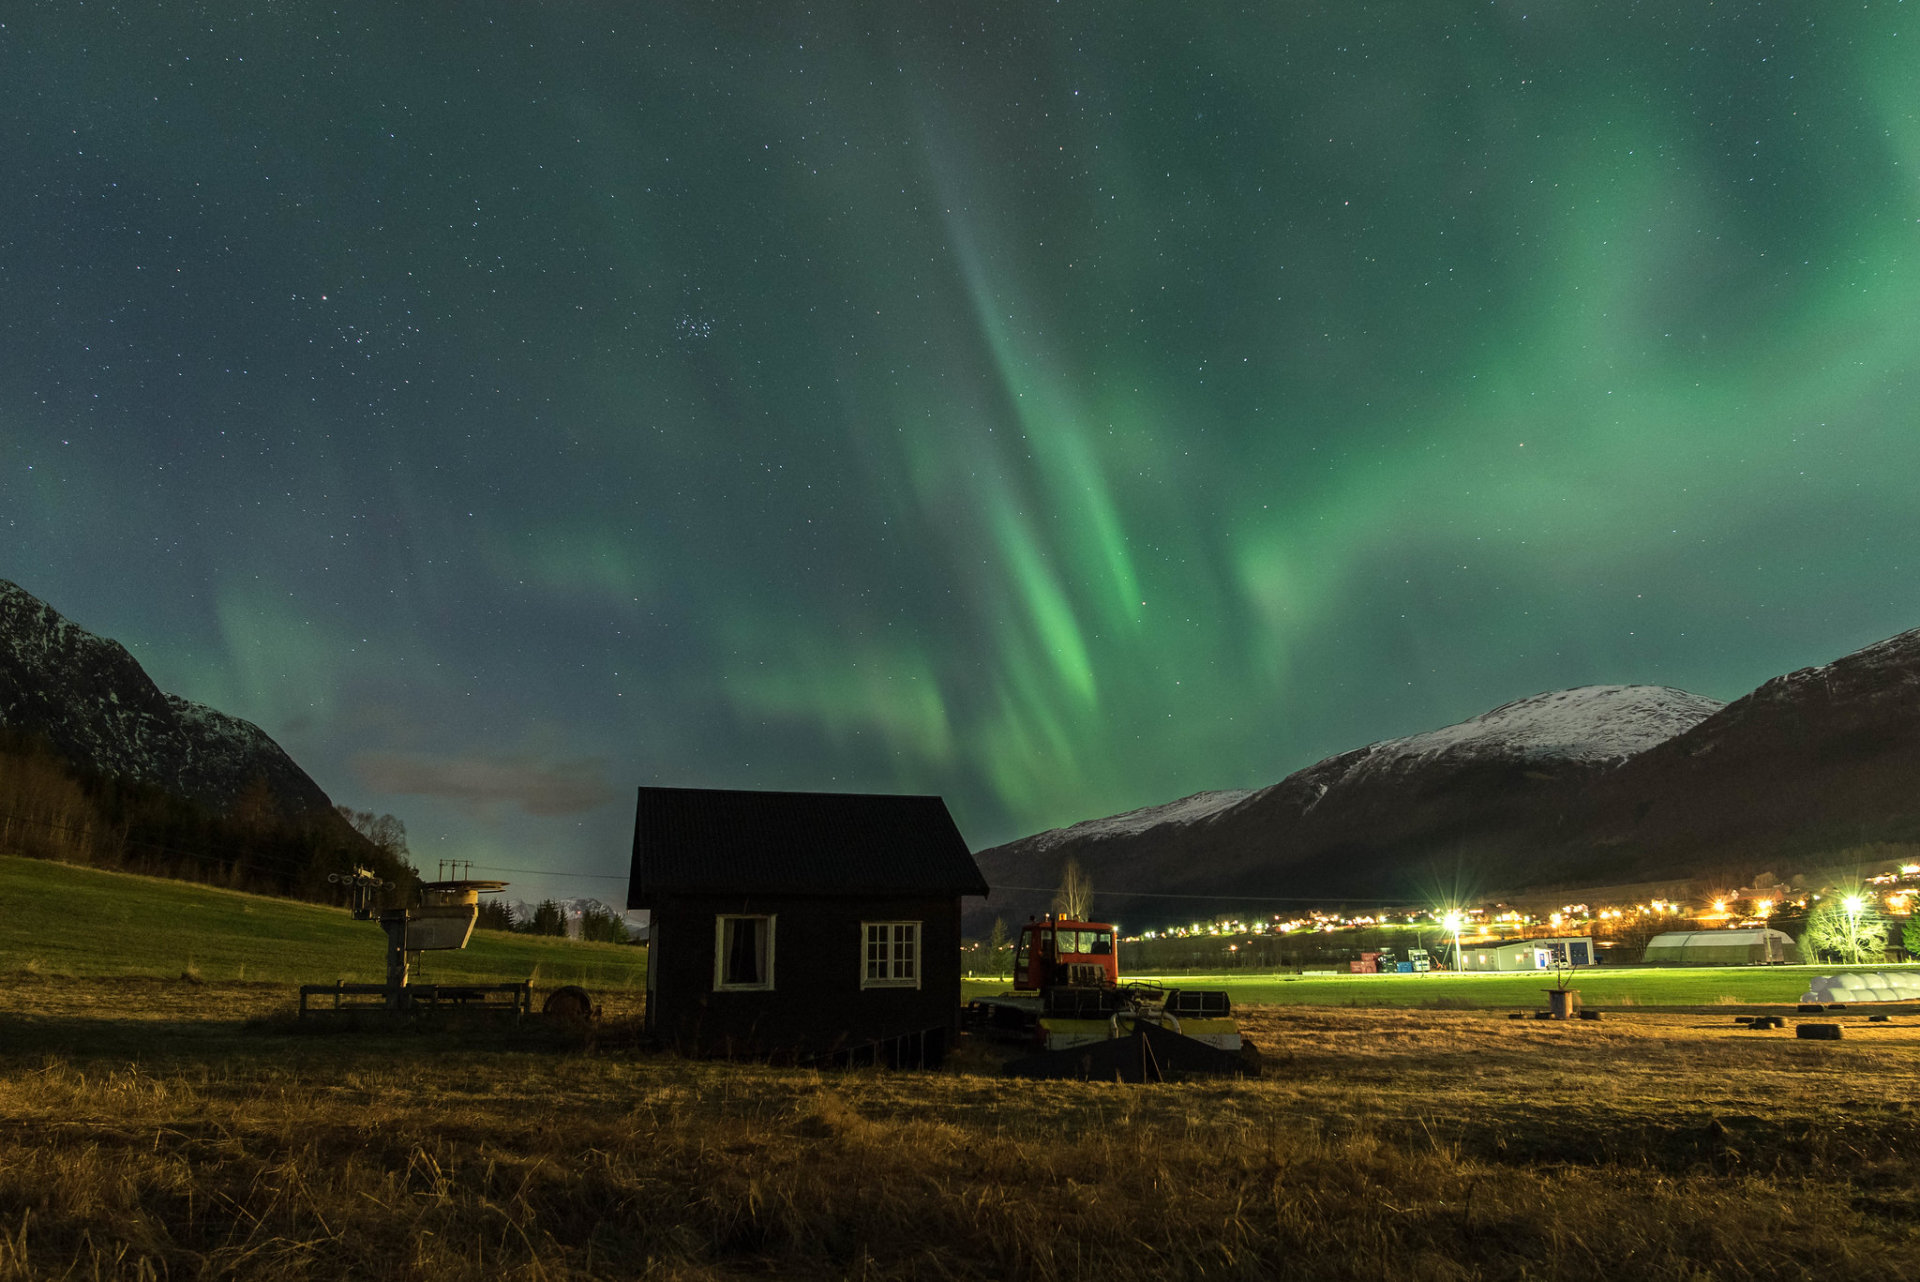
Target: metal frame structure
column 444, row 920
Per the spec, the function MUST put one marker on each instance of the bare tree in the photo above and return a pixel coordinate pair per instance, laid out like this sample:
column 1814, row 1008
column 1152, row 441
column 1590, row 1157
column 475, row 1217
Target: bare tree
column 1074, row 899
column 385, row 831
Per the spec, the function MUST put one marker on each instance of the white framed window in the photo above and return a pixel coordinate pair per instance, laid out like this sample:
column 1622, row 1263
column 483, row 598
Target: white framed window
column 892, row 956
column 743, row 953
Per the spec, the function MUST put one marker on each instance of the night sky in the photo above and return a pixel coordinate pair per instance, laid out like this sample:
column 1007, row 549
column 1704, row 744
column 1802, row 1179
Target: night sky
column 1059, row 407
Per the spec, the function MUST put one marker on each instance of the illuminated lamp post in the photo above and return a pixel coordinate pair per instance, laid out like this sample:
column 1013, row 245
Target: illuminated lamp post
column 1452, row 922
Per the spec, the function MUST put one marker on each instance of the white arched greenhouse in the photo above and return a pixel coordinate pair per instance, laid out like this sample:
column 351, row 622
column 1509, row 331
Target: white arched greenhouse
column 1753, row 945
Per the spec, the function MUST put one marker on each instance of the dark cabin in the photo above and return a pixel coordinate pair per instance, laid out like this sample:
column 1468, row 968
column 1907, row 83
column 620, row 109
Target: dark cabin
column 816, row 926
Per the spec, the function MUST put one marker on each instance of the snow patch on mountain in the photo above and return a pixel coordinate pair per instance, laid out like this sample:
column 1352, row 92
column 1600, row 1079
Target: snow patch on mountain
column 1187, row 810
column 1587, row 724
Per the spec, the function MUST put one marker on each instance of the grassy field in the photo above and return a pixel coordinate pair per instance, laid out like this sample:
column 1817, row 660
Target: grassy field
column 67, row 920
column 80, row 921
column 152, row 1126
column 1691, row 986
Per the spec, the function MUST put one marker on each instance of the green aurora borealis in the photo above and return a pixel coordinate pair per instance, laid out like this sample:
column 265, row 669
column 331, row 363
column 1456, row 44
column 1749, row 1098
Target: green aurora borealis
column 1059, row 407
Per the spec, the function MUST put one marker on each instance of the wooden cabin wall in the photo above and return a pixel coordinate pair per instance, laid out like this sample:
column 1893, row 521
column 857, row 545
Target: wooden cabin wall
column 817, row 1005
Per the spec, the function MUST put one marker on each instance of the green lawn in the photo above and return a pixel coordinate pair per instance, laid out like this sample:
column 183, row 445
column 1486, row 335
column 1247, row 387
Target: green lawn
column 1691, row 986
column 64, row 920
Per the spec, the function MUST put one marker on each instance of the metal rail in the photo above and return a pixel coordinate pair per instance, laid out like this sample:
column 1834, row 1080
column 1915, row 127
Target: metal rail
column 410, row 997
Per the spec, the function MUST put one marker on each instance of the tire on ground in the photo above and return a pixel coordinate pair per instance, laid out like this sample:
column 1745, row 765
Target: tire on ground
column 570, row 1005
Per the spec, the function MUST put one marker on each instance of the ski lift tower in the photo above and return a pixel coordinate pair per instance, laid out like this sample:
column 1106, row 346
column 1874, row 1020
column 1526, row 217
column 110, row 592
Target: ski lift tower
column 442, row 920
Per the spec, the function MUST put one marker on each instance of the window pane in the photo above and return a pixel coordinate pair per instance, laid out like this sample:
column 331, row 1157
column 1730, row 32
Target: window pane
column 745, row 943
column 892, row 952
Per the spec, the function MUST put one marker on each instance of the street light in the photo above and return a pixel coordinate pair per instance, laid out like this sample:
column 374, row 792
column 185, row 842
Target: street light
column 1452, row 922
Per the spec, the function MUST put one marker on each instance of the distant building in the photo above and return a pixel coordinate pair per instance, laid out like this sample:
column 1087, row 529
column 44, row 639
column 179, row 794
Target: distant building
column 1529, row 954
column 1746, row 946
column 822, row 927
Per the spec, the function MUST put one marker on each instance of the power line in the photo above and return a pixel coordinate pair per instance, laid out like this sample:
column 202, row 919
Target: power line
column 1223, row 897
column 542, row 872
column 1044, row 890
column 289, row 864
column 112, row 833
column 258, row 861
column 283, row 870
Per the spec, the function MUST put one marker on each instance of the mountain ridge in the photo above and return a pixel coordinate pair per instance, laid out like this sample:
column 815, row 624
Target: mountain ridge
column 1590, row 784
column 93, row 703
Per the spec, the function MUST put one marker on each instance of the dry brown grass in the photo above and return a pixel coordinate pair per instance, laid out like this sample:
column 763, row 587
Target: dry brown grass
column 146, row 1131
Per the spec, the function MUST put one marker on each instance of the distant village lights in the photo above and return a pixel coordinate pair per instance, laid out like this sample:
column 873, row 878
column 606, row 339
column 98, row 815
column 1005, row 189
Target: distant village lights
column 1890, row 892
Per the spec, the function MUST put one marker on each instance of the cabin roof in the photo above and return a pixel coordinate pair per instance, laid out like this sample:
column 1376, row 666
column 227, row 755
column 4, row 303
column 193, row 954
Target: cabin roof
column 723, row 841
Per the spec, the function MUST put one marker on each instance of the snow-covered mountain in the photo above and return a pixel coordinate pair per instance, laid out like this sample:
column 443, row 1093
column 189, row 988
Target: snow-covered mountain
column 1588, row 785
column 1187, row 810
column 94, row 704
column 1587, row 724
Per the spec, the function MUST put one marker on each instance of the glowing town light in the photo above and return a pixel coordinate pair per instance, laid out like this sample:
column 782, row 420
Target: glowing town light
column 1452, row 922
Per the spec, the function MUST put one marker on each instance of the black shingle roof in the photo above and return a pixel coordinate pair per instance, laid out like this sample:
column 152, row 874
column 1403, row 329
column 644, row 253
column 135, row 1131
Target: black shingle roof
column 707, row 840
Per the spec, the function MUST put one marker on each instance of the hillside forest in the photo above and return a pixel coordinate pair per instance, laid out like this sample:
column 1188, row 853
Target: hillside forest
column 52, row 809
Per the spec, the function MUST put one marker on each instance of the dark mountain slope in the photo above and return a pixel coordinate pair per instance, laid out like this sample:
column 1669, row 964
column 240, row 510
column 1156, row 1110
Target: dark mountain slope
column 1602, row 784
column 97, row 765
column 88, row 699
column 1811, row 762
